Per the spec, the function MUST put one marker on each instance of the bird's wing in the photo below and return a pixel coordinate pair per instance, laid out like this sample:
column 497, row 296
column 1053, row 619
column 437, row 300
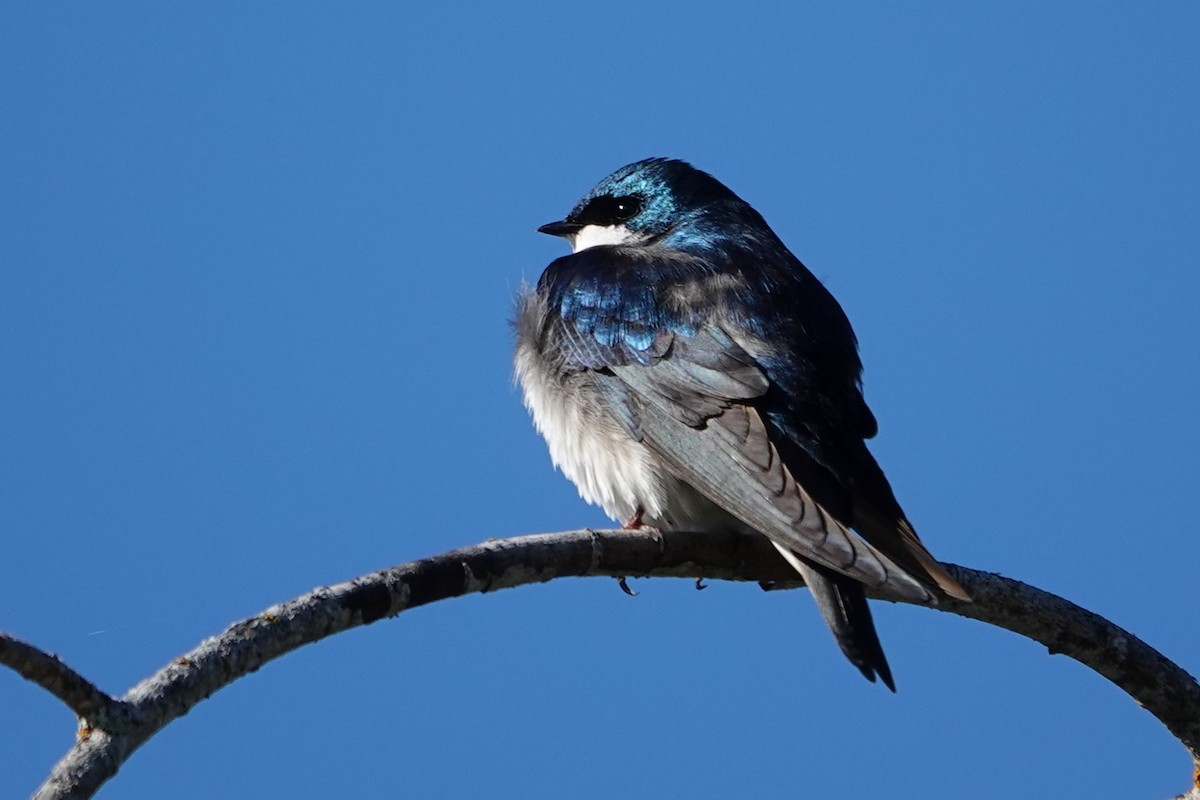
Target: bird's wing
column 821, row 421
column 681, row 384
column 697, row 419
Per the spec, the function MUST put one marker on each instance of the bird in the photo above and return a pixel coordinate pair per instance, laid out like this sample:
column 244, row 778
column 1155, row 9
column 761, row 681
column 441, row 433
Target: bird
column 689, row 373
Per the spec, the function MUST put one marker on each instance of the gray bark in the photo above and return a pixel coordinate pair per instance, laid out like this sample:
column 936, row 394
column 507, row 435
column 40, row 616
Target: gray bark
column 111, row 728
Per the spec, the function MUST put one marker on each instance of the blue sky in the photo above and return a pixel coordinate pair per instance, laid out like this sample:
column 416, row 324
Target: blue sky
column 256, row 267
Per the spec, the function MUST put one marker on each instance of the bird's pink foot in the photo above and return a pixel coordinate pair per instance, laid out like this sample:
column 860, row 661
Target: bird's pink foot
column 635, row 522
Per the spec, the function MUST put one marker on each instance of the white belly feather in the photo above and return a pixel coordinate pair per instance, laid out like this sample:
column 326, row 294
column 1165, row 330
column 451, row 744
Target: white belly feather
column 586, row 442
column 608, row 467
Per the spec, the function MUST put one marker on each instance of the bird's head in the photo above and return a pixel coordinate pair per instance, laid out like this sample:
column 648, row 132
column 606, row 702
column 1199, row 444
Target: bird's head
column 640, row 202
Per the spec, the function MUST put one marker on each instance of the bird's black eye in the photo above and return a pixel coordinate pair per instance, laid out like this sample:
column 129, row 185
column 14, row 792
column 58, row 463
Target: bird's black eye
column 626, row 207
column 609, row 210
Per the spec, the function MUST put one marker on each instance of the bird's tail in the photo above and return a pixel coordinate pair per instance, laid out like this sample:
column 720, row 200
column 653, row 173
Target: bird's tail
column 843, row 604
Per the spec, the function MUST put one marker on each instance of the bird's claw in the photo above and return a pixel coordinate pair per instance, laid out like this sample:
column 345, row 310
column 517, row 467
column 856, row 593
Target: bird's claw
column 635, row 522
column 624, row 584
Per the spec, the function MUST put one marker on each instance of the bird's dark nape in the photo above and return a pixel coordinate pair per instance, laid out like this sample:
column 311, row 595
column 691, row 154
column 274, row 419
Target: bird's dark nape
column 843, row 604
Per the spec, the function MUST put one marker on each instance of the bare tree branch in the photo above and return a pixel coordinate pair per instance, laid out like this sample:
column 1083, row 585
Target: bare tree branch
column 81, row 695
column 1160, row 686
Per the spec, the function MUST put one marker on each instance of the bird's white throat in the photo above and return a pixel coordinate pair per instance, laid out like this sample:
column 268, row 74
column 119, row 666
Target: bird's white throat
column 592, row 235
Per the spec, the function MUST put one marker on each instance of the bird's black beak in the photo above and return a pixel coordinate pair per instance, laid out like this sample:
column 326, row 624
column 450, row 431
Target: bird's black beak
column 562, row 228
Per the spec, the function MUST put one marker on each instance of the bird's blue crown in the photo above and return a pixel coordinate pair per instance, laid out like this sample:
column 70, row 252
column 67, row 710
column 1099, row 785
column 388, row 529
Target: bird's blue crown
column 657, row 195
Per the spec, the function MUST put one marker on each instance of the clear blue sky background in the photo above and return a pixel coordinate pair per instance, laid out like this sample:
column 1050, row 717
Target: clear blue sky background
column 256, row 267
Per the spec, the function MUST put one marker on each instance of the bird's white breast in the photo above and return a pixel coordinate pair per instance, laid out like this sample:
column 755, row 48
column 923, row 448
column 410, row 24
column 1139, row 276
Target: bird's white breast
column 609, row 468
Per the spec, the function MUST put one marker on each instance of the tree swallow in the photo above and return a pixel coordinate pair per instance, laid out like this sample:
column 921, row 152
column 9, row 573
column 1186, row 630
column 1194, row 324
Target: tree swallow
column 689, row 373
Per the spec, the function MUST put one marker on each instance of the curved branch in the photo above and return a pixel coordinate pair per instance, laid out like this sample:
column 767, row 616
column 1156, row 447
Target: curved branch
column 1159, row 685
column 1164, row 689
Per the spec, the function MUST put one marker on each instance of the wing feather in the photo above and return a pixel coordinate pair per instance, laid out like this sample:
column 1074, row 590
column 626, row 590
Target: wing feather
column 691, row 408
